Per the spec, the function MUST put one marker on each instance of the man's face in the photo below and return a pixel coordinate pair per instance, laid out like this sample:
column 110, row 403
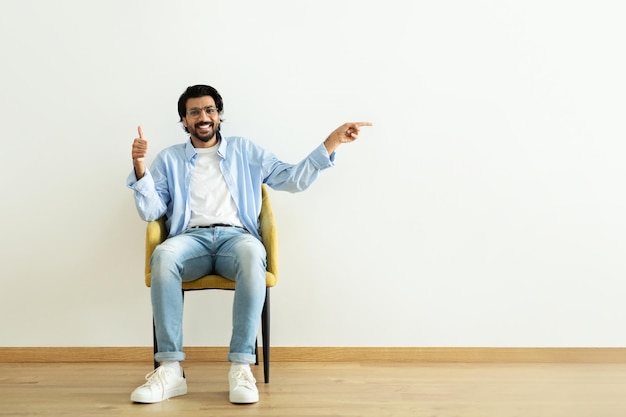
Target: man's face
column 202, row 119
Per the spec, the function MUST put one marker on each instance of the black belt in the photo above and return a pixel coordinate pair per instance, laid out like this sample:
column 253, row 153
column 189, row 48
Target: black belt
column 210, row 226
column 215, row 225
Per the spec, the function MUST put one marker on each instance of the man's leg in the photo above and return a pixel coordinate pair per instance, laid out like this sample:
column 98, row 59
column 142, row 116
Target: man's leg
column 242, row 258
column 186, row 252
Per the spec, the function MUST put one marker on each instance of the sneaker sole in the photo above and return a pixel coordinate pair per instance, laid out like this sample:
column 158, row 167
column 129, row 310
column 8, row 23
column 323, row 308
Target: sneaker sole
column 235, row 399
column 176, row 392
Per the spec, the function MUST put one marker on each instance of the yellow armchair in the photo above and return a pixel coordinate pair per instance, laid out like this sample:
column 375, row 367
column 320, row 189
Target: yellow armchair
column 156, row 232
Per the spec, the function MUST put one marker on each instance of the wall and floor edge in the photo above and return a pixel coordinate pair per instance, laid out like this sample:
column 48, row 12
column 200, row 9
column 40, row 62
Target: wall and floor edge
column 328, row 354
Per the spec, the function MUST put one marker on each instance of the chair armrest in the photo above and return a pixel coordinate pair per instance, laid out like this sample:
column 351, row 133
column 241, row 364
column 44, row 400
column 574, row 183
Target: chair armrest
column 156, row 232
column 269, row 232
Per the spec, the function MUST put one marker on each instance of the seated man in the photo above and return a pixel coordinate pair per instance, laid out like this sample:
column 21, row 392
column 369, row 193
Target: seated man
column 209, row 188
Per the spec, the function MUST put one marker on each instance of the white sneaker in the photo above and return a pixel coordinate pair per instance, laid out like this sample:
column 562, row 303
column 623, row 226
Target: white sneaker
column 162, row 383
column 243, row 388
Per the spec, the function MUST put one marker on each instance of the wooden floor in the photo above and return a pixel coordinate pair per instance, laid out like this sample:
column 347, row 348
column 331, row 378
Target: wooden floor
column 325, row 389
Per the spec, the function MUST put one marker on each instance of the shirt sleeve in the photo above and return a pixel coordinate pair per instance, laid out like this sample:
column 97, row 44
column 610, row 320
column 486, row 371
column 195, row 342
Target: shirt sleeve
column 150, row 205
column 297, row 177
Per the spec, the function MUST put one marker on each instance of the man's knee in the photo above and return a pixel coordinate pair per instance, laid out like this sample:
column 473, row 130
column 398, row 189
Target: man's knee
column 162, row 256
column 250, row 252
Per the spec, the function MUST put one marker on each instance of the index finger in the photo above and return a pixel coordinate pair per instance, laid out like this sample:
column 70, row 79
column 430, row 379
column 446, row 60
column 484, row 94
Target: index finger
column 364, row 124
column 140, row 131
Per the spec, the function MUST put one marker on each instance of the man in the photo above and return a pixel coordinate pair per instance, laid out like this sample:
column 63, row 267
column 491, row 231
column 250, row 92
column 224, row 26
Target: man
column 209, row 188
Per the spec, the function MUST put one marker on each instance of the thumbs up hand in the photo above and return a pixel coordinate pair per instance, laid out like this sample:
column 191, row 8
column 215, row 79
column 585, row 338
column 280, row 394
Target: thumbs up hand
column 140, row 148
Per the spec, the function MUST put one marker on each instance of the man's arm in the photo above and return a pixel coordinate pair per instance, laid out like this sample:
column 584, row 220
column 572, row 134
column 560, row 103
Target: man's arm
column 295, row 178
column 149, row 202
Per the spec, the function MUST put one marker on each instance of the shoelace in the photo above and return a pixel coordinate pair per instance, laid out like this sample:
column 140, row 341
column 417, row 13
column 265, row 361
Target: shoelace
column 244, row 379
column 158, row 376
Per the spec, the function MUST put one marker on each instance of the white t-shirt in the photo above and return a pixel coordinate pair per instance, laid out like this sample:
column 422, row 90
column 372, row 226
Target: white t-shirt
column 210, row 200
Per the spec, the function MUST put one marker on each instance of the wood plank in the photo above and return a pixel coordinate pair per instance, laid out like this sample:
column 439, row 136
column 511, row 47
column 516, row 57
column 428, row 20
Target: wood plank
column 349, row 389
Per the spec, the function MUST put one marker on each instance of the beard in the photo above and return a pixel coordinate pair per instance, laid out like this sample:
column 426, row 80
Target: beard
column 204, row 136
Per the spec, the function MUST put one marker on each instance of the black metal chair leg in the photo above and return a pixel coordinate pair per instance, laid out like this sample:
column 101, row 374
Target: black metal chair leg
column 155, row 348
column 265, row 329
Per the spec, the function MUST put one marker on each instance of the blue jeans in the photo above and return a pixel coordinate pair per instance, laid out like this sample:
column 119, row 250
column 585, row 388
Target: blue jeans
column 227, row 251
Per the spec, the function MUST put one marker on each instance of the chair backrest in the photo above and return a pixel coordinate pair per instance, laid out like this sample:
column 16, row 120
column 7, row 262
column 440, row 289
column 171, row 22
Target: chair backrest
column 269, row 232
column 156, row 232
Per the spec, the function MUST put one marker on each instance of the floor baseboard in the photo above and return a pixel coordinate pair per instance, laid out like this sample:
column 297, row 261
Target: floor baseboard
column 326, row 354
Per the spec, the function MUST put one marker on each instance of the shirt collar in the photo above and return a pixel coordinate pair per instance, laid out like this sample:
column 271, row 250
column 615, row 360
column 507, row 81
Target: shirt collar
column 222, row 146
column 190, row 151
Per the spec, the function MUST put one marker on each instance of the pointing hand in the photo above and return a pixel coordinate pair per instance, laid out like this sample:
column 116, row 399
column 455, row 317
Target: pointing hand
column 346, row 133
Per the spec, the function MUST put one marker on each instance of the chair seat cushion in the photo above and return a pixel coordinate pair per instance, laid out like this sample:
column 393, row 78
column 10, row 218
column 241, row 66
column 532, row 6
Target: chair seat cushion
column 216, row 282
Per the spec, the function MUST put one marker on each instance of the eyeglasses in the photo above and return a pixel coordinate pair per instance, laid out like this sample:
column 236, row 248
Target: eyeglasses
column 195, row 112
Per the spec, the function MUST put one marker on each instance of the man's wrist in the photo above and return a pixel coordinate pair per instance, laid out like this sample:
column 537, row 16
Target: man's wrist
column 330, row 145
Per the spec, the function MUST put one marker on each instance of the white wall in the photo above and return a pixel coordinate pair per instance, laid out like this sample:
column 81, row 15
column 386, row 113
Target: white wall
column 484, row 208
